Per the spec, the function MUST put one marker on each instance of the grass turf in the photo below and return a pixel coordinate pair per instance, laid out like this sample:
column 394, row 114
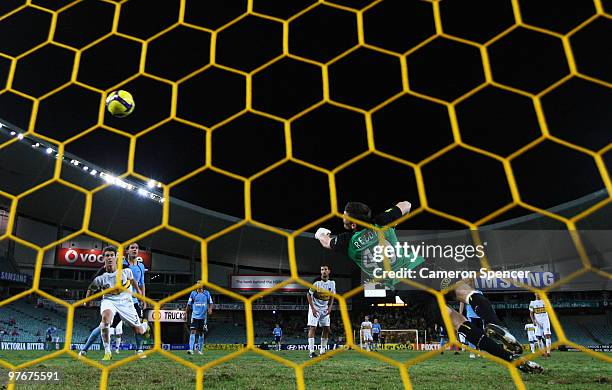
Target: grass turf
column 347, row 370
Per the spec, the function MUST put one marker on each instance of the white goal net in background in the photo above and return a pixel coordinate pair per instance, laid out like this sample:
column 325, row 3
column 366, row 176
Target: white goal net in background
column 397, row 338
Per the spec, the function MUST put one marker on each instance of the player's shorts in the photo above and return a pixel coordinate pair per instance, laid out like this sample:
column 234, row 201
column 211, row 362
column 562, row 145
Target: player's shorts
column 117, row 318
column 277, row 339
column 367, row 335
column 375, row 336
column 532, row 337
column 198, row 324
column 125, row 309
column 317, row 321
column 543, row 328
column 48, row 338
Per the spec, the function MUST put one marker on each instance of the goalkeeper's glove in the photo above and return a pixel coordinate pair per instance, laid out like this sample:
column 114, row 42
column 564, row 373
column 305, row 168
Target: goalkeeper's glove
column 322, row 232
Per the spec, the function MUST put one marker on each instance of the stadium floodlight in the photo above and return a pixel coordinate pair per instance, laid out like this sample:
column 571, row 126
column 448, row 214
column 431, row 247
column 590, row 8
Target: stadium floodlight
column 36, row 145
column 20, row 136
column 142, row 192
column 151, row 183
column 109, row 178
column 49, row 150
column 85, row 168
column 93, row 172
column 12, row 132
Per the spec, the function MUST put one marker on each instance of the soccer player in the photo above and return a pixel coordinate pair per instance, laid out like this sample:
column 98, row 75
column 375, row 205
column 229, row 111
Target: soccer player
column 278, row 336
column 539, row 316
column 116, row 301
column 359, row 244
column 138, row 270
column 49, row 337
column 366, row 333
column 376, row 333
column 530, row 328
column 116, row 328
column 200, row 305
column 320, row 302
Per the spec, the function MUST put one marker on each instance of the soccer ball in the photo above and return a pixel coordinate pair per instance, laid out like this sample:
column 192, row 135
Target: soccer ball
column 120, row 103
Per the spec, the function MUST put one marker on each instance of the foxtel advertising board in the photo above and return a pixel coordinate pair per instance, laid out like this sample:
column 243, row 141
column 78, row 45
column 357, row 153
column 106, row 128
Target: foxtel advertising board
column 90, row 258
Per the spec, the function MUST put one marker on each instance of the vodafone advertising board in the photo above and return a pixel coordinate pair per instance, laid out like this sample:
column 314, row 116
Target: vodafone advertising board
column 89, row 258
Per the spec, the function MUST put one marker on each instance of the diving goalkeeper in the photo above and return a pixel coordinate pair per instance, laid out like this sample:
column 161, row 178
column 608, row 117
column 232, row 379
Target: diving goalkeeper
column 359, row 244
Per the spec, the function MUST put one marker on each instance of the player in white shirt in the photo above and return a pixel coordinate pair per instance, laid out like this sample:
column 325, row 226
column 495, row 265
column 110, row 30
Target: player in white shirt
column 366, row 333
column 118, row 301
column 539, row 316
column 530, row 328
column 320, row 302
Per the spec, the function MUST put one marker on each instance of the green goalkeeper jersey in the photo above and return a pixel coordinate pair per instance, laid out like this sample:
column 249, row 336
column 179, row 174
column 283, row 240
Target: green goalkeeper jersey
column 361, row 248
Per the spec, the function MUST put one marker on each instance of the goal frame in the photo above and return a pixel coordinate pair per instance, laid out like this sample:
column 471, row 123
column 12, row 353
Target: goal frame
column 416, row 332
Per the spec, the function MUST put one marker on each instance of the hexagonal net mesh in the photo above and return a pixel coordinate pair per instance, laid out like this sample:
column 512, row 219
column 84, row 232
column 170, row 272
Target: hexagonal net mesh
column 366, row 50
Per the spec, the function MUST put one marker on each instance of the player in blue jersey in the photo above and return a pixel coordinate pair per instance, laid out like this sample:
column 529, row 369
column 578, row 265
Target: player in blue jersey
column 376, row 333
column 49, row 337
column 278, row 336
column 472, row 317
column 199, row 305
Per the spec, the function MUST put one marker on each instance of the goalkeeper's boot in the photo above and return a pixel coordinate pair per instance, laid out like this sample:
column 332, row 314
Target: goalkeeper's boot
column 502, row 335
column 107, row 356
column 141, row 354
column 527, row 365
column 190, row 352
column 312, row 355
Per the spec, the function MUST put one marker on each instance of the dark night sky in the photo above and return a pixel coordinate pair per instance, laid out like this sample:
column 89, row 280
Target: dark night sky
column 460, row 182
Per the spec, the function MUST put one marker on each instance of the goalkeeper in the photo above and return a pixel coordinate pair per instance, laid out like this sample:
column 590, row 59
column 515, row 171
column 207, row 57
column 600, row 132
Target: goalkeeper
column 359, row 243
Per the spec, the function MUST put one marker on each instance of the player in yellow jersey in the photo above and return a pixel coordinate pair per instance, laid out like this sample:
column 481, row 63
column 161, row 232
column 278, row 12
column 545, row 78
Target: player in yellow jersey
column 116, row 301
column 539, row 316
column 320, row 302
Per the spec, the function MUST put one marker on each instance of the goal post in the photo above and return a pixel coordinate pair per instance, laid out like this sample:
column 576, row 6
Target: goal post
column 401, row 336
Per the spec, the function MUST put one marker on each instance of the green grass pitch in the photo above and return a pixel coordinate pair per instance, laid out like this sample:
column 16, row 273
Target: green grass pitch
column 347, row 370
